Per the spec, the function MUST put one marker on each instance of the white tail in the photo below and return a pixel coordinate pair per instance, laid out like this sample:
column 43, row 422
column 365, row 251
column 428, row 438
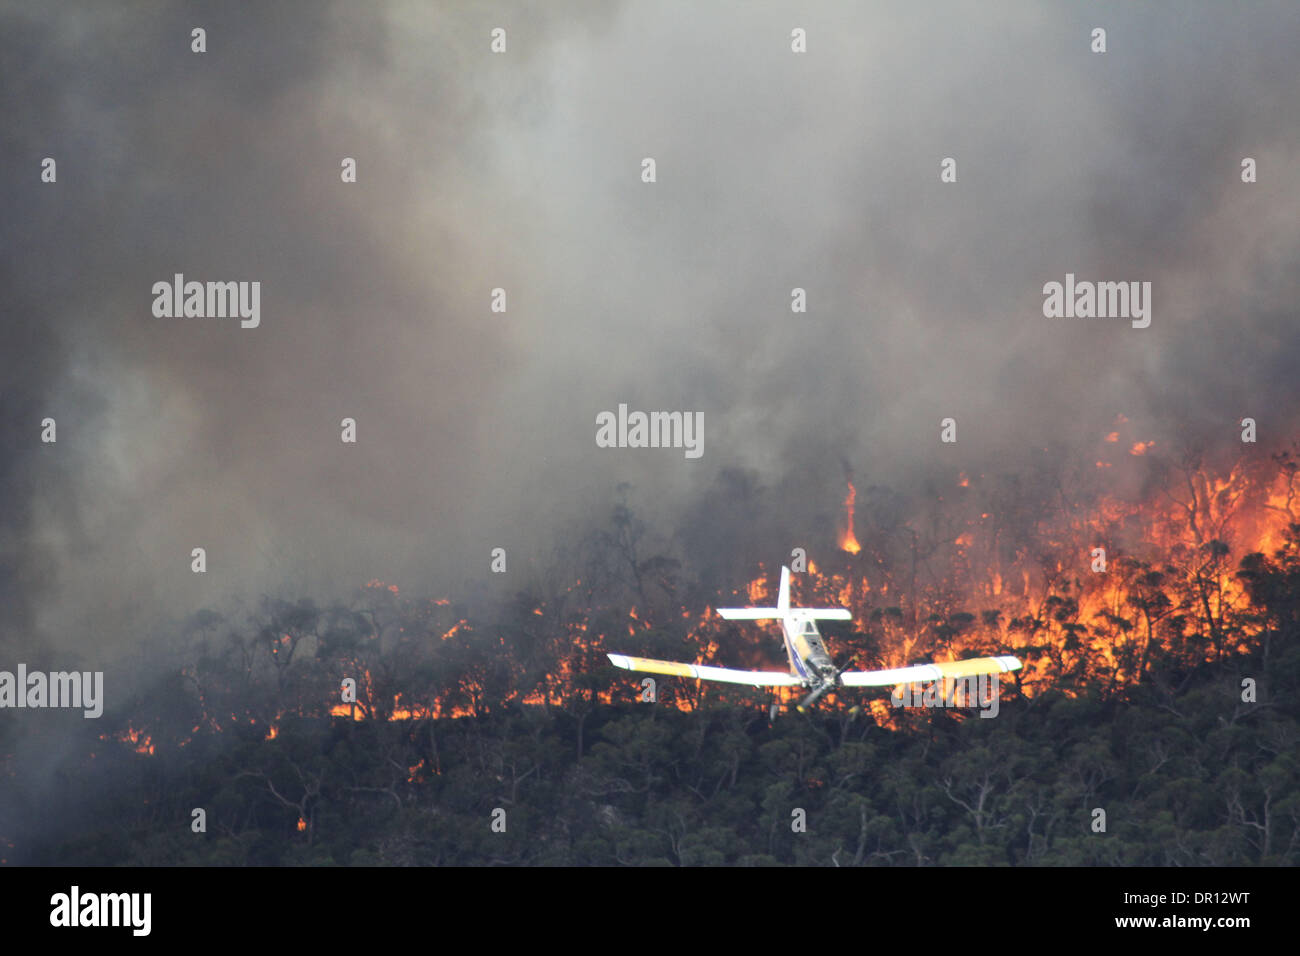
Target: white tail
column 783, row 609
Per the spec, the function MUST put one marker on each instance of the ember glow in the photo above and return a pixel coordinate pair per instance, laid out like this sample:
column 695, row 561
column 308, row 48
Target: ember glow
column 137, row 740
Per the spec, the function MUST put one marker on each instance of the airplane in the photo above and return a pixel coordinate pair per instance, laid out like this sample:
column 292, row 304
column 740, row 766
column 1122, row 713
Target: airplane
column 810, row 664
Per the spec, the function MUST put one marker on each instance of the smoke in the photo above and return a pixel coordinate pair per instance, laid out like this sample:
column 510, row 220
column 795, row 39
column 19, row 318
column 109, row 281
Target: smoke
column 522, row 171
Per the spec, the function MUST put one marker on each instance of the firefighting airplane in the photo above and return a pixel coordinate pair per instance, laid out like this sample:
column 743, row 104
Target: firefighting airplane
column 810, row 664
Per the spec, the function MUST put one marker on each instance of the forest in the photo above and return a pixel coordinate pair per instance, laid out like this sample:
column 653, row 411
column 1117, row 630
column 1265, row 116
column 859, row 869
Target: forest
column 1155, row 721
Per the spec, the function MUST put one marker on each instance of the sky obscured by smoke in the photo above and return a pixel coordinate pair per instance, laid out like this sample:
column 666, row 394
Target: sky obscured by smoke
column 522, row 170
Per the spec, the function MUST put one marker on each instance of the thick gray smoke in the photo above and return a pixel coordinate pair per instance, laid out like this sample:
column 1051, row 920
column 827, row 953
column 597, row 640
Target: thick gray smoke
column 522, row 170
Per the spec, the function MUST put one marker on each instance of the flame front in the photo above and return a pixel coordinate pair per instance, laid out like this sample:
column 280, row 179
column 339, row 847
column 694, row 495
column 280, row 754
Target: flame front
column 949, row 587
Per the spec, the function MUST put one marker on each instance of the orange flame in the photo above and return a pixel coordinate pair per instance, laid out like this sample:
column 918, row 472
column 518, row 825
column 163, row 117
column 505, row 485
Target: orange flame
column 849, row 540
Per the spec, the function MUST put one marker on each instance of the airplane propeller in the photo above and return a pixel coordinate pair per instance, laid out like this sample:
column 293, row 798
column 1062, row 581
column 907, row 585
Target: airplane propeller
column 829, row 685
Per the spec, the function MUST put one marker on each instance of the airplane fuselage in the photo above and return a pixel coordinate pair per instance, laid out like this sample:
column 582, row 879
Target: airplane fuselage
column 807, row 653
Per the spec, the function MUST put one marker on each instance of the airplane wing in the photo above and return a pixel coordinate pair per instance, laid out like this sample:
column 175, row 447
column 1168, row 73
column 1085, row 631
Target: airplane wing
column 925, row 672
column 703, row 672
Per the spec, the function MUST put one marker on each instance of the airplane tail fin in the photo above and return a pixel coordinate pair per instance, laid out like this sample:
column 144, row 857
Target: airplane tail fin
column 783, row 609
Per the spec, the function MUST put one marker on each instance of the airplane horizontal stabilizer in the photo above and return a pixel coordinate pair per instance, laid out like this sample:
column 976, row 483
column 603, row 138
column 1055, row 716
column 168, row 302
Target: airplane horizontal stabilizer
column 750, row 613
column 774, row 613
column 825, row 613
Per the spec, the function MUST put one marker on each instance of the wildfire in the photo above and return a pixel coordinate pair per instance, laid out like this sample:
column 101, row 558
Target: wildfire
column 938, row 590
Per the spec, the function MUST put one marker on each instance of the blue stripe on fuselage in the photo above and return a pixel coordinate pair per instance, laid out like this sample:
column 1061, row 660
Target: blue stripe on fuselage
column 789, row 649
